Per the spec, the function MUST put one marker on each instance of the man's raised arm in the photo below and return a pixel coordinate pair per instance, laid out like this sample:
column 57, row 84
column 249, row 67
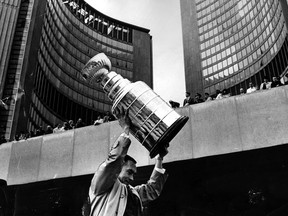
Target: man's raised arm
column 108, row 171
column 153, row 188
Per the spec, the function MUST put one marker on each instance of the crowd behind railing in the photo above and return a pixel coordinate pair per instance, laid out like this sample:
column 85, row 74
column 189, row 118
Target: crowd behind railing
column 108, row 117
column 220, row 94
column 60, row 127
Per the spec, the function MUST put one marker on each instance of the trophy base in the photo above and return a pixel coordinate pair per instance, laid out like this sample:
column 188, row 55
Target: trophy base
column 162, row 144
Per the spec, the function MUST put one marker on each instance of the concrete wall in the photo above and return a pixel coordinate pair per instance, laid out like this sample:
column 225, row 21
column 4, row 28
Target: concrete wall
column 191, row 47
column 234, row 124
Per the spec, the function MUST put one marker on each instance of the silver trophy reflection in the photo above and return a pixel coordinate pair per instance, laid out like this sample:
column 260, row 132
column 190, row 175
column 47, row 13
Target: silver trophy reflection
column 154, row 122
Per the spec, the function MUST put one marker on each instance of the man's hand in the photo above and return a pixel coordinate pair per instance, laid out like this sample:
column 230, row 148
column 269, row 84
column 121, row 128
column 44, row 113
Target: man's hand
column 123, row 118
column 158, row 163
column 160, row 156
column 163, row 151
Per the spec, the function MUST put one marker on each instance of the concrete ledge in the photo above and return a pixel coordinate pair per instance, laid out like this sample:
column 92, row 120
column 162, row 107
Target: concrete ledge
column 234, row 124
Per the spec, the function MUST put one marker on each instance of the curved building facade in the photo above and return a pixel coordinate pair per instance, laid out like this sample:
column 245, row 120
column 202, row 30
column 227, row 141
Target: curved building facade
column 236, row 42
column 67, row 34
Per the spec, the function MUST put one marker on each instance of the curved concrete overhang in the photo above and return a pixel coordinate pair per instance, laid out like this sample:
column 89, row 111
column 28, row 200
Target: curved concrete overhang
column 234, row 124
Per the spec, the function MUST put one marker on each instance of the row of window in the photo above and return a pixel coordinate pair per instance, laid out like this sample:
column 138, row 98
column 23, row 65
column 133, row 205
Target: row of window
column 230, row 8
column 94, row 20
column 245, row 26
column 234, row 24
column 62, row 65
column 78, row 91
column 248, row 50
column 70, row 42
column 58, row 66
column 237, row 52
column 36, row 119
column 216, row 10
column 60, row 104
column 248, row 67
column 59, row 63
column 41, row 116
column 242, row 79
column 123, row 66
column 200, row 4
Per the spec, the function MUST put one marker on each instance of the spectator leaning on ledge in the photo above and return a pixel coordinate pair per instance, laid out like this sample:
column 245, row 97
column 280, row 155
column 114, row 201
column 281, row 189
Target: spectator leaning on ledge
column 98, row 121
column 208, row 97
column 251, row 88
column 198, row 98
column 219, row 94
column 275, row 82
column 265, row 84
column 188, row 100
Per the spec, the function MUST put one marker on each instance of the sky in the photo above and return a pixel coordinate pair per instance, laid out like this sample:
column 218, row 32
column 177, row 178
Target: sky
column 163, row 19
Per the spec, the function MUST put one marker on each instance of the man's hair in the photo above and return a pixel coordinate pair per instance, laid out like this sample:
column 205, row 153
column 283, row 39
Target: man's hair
column 129, row 158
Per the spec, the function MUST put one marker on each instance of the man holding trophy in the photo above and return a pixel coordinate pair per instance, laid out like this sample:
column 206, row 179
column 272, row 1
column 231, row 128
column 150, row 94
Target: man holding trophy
column 151, row 121
column 110, row 192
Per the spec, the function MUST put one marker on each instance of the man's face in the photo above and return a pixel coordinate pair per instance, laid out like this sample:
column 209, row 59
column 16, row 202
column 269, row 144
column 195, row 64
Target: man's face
column 127, row 173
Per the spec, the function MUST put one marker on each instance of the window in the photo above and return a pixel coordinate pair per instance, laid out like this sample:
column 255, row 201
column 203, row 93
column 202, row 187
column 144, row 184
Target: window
column 212, row 50
column 244, row 52
column 231, row 70
column 222, row 45
column 221, row 74
column 215, row 68
column 236, row 67
column 240, row 64
column 217, row 47
column 229, row 61
column 208, row 61
column 204, row 63
column 210, row 71
column 202, row 46
column 226, row 72
column 245, row 62
column 225, row 63
column 205, row 72
column 203, row 55
column 219, row 56
column 220, row 65
column 228, row 52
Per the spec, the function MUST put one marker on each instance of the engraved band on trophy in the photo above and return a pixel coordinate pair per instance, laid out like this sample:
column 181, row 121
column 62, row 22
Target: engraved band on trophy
column 154, row 122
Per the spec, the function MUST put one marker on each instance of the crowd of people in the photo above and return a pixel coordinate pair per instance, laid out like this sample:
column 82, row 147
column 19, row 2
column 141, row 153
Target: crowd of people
column 189, row 100
column 266, row 84
column 60, row 127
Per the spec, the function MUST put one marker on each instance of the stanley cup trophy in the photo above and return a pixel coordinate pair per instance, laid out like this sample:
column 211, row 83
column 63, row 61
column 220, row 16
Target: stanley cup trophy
column 154, row 122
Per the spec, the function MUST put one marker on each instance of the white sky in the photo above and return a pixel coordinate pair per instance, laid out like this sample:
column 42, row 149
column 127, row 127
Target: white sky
column 163, row 19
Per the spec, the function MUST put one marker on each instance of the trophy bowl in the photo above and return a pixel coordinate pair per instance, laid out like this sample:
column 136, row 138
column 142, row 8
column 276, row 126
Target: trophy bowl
column 154, row 122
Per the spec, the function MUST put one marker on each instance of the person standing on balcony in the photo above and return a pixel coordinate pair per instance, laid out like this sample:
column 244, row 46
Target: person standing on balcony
column 275, row 82
column 188, row 100
column 265, row 84
column 251, row 88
